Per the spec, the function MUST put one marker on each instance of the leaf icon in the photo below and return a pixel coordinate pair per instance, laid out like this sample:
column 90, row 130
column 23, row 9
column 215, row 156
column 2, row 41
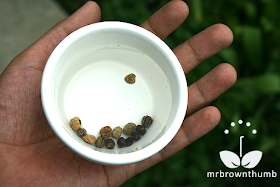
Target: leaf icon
column 251, row 159
column 230, row 159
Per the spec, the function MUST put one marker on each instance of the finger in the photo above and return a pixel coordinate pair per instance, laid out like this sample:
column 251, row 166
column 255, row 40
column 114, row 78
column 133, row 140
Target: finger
column 198, row 124
column 42, row 48
column 194, row 127
column 203, row 45
column 167, row 19
column 210, row 86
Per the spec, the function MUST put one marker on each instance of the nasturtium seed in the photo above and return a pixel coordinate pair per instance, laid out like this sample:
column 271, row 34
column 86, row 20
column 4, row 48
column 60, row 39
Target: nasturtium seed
column 99, row 142
column 117, row 131
column 130, row 78
column 140, row 129
column 81, row 132
column 129, row 128
column 129, row 141
column 135, row 136
column 106, row 132
column 110, row 144
column 89, row 139
column 75, row 123
column 121, row 142
column 147, row 121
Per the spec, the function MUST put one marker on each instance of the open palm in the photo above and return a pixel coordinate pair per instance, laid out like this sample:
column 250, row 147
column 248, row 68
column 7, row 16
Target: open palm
column 31, row 154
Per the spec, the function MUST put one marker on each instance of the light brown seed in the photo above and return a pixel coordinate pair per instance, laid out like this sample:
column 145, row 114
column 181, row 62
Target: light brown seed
column 117, row 131
column 75, row 123
column 89, row 139
column 128, row 128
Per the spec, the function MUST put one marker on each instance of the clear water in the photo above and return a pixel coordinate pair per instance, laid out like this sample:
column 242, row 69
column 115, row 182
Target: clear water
column 98, row 94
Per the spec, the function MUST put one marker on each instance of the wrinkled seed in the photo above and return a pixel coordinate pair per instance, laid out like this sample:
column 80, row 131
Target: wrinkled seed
column 106, row 132
column 140, row 129
column 99, row 142
column 89, row 139
column 128, row 128
column 135, row 136
column 121, row 142
column 75, row 123
column 130, row 78
column 110, row 144
column 129, row 141
column 147, row 121
column 81, row 132
column 117, row 131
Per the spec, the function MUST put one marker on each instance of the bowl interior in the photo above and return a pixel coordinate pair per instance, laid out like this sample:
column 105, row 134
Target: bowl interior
column 86, row 79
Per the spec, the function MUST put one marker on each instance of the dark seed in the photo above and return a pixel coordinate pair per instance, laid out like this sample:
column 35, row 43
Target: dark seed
column 81, row 132
column 135, row 136
column 110, row 144
column 147, row 121
column 129, row 141
column 141, row 129
column 121, row 142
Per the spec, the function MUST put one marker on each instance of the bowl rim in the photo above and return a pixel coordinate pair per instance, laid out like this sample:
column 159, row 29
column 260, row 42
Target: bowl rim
column 101, row 157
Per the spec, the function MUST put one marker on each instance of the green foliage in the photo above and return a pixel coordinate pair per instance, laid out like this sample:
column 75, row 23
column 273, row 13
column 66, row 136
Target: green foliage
column 255, row 54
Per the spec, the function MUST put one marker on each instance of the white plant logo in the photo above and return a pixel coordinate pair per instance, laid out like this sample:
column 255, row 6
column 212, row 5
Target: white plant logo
column 232, row 160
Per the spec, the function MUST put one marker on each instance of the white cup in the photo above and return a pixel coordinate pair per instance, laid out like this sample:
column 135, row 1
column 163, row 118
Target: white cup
column 84, row 77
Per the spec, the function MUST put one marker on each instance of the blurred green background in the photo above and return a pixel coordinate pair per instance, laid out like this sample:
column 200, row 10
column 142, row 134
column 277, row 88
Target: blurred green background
column 255, row 54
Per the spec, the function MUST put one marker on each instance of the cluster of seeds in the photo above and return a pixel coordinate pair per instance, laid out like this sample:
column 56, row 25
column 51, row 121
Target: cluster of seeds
column 134, row 133
column 75, row 124
column 104, row 139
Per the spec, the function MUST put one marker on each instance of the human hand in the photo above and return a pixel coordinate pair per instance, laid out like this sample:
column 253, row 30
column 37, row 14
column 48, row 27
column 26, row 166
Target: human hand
column 31, row 154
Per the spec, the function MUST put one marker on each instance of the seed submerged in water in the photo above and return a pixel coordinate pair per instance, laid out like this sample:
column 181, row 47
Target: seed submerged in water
column 89, row 139
column 129, row 128
column 134, row 133
column 106, row 132
column 75, row 123
column 110, row 144
column 81, row 132
column 135, row 136
column 140, row 129
column 130, row 78
column 117, row 131
column 100, row 142
column 121, row 142
column 129, row 141
column 147, row 121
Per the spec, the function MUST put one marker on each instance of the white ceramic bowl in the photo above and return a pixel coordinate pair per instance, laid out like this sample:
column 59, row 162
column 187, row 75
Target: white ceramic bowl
column 84, row 77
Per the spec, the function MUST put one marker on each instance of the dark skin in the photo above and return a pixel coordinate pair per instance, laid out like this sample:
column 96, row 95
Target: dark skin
column 31, row 154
